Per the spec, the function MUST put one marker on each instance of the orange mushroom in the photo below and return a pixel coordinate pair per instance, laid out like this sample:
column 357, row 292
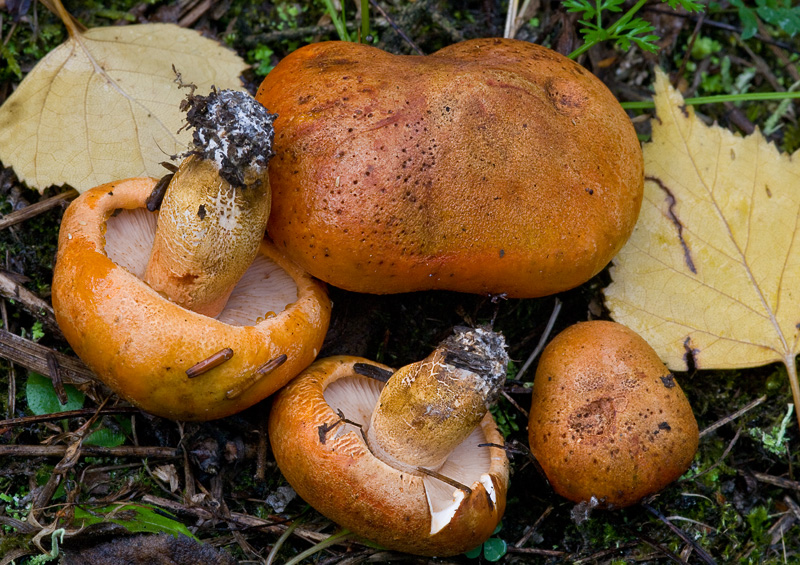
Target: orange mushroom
column 490, row 166
column 415, row 464
column 608, row 423
column 142, row 339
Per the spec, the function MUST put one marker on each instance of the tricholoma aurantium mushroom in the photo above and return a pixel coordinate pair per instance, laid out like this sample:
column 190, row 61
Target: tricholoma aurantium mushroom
column 491, row 166
column 414, row 464
column 608, row 423
column 187, row 312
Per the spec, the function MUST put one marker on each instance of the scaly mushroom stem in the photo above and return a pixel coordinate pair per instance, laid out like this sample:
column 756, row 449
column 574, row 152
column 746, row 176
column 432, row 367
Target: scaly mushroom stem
column 215, row 210
column 428, row 408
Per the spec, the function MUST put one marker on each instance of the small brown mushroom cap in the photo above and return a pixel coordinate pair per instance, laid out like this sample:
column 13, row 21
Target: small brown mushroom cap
column 140, row 344
column 608, row 420
column 330, row 466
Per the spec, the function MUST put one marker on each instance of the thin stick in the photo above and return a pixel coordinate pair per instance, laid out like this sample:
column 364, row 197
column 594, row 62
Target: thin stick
column 542, row 340
column 257, row 375
column 732, row 417
column 35, row 209
column 214, row 360
column 61, row 450
column 396, row 28
column 445, row 479
column 701, row 553
column 82, row 413
column 33, row 356
column 40, row 309
column 777, row 481
column 529, row 532
column 515, row 404
column 12, row 372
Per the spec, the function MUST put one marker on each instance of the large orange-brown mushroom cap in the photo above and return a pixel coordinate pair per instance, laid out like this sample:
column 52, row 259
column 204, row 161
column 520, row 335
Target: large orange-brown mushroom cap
column 329, row 464
column 141, row 344
column 490, row 166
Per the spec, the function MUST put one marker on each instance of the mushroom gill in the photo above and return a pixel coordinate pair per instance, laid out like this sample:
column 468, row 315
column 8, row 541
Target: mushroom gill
column 356, row 397
column 264, row 290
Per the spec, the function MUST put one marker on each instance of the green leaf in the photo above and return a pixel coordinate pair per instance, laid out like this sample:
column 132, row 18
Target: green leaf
column 785, row 19
column 689, row 5
column 584, row 6
column 136, row 518
column 494, row 549
column 475, row 552
column 748, row 18
column 42, row 398
column 37, row 331
column 105, row 437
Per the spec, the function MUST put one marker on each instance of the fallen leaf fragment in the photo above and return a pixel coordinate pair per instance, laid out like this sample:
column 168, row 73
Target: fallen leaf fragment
column 104, row 105
column 711, row 274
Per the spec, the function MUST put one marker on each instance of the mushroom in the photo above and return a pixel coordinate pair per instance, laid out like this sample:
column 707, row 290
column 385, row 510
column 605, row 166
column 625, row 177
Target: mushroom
column 414, row 464
column 491, row 166
column 609, row 424
column 134, row 325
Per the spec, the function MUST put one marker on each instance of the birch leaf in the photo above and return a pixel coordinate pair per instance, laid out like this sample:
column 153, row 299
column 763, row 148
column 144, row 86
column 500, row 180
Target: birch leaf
column 711, row 274
column 104, row 105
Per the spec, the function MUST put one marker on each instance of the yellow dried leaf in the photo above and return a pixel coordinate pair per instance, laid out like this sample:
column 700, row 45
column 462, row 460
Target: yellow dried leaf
column 711, row 274
column 104, row 105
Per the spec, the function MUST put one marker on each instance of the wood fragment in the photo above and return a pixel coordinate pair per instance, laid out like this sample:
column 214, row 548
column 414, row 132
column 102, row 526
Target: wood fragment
column 445, row 479
column 55, row 377
column 33, row 356
column 209, row 363
column 275, row 526
column 35, row 209
column 777, row 481
column 156, row 196
column 271, row 365
column 38, row 308
column 55, row 416
column 372, row 371
column 732, row 417
column 257, row 375
column 93, row 450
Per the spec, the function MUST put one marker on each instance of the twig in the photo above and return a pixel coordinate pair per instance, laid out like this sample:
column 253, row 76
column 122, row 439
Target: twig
column 276, row 526
column 61, row 450
column 732, row 417
column 33, row 356
column 35, row 209
column 542, row 340
column 82, row 413
column 396, row 28
column 12, row 372
column 529, row 532
column 536, row 551
column 40, row 309
column 777, row 481
column 701, row 553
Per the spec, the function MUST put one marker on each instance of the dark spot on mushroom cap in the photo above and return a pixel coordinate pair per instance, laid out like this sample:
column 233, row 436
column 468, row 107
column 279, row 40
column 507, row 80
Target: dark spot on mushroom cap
column 668, row 381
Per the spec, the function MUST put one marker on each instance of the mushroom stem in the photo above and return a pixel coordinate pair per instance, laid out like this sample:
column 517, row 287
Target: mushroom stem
column 215, row 209
column 428, row 408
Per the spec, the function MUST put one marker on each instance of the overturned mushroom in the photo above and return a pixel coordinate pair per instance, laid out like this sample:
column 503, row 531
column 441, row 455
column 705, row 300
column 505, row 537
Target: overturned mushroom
column 405, row 464
column 126, row 310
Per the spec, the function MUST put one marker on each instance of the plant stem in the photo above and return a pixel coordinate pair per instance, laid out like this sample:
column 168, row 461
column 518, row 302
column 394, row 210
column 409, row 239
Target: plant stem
column 611, row 31
column 319, row 547
column 364, row 20
column 338, row 20
column 717, row 99
column 791, row 369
